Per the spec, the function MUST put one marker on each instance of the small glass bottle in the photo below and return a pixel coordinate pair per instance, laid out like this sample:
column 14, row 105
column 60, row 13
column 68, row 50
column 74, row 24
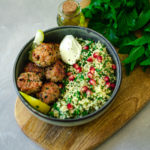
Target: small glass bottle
column 69, row 13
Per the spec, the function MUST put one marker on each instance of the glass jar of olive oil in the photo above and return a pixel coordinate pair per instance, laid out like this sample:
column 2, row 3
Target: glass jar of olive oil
column 69, row 13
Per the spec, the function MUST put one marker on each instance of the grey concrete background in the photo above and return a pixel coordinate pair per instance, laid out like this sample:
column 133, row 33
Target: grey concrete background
column 19, row 20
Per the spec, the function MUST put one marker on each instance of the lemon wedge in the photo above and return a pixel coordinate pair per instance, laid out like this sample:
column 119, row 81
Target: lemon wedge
column 36, row 103
column 39, row 37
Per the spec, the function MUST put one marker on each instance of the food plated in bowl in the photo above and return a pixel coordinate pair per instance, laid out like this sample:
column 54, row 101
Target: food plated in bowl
column 76, row 90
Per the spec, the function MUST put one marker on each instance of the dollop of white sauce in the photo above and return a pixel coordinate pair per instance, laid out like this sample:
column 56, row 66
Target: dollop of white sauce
column 70, row 50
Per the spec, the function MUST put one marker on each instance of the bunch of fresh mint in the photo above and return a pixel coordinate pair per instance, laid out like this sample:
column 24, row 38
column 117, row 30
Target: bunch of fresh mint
column 117, row 20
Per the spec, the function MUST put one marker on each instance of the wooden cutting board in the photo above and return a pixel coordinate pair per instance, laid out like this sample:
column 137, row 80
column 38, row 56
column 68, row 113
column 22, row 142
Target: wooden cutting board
column 134, row 93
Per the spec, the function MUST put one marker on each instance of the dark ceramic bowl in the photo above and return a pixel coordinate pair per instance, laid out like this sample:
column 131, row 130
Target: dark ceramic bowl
column 56, row 35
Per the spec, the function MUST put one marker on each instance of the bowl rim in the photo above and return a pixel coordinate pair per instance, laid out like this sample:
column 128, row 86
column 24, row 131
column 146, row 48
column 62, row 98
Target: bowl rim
column 110, row 100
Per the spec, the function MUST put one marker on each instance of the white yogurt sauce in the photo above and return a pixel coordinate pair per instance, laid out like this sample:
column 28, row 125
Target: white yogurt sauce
column 70, row 50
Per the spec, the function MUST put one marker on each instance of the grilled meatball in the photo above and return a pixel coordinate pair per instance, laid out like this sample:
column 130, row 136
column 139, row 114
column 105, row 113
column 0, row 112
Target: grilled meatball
column 49, row 92
column 31, row 67
column 45, row 54
column 56, row 72
column 29, row 82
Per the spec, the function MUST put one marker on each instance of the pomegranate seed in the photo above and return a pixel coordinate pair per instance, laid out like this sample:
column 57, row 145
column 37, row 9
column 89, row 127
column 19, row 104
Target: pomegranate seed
column 84, row 89
column 76, row 66
column 108, row 84
column 90, row 59
column 99, row 58
column 71, row 77
column 69, row 73
column 86, row 47
column 92, row 70
column 114, row 67
column 69, row 106
column 89, row 92
column 106, row 78
column 112, row 85
column 96, row 54
column 92, row 82
column 90, row 75
column 79, row 69
column 60, row 85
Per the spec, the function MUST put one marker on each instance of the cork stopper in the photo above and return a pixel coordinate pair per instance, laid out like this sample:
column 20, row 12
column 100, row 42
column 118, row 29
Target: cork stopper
column 69, row 7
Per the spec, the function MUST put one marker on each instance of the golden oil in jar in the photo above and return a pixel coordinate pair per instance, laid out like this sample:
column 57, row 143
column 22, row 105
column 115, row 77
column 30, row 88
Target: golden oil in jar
column 70, row 13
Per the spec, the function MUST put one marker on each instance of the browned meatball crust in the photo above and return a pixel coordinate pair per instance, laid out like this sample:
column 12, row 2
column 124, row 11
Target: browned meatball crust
column 56, row 72
column 31, row 67
column 45, row 54
column 29, row 82
column 49, row 92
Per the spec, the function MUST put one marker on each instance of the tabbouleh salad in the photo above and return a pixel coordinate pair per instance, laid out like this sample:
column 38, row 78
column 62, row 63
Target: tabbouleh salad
column 88, row 84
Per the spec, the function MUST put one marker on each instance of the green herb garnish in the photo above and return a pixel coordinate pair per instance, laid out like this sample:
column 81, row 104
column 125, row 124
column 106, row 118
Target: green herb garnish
column 117, row 21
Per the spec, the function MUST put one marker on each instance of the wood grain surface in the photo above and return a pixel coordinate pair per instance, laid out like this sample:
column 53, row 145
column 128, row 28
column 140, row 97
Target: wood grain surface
column 134, row 93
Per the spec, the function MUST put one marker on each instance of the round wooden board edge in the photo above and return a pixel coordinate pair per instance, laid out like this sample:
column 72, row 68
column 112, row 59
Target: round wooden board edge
column 93, row 146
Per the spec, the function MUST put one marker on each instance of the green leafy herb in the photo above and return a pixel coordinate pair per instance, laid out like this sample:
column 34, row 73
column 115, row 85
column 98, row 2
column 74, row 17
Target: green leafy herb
column 147, row 29
column 84, row 112
column 68, row 100
column 134, row 55
column 117, row 21
column 133, row 65
column 138, row 42
column 145, row 62
column 51, row 113
column 144, row 17
column 62, row 90
column 84, row 95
